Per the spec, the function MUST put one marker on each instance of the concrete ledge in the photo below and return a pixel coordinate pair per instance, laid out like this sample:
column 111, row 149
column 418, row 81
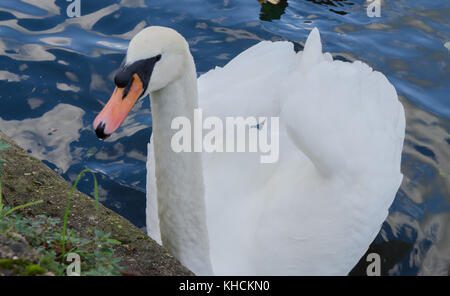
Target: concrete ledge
column 27, row 179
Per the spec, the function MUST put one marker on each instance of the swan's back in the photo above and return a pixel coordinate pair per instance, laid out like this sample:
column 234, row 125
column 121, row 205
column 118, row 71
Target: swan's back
column 318, row 208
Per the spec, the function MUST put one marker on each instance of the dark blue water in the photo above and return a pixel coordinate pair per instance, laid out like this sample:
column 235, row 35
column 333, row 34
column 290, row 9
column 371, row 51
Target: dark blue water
column 56, row 74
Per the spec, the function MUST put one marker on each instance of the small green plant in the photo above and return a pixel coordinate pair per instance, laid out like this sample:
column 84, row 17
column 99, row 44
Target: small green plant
column 43, row 234
column 66, row 214
column 51, row 245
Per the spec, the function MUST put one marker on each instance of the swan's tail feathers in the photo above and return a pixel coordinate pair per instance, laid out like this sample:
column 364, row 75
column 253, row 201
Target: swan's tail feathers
column 313, row 45
column 312, row 53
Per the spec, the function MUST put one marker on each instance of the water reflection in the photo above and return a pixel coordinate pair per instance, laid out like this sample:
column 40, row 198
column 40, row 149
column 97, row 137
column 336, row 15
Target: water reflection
column 35, row 103
column 429, row 238
column 11, row 77
column 272, row 9
column 340, row 7
column 431, row 161
column 133, row 3
column 436, row 260
column 48, row 137
column 48, row 5
column 25, row 52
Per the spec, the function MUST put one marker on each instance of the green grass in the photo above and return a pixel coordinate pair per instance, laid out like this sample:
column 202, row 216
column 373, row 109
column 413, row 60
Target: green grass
column 43, row 234
column 52, row 244
column 66, row 215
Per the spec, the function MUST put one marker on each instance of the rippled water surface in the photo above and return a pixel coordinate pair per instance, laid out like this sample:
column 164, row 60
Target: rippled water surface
column 56, row 74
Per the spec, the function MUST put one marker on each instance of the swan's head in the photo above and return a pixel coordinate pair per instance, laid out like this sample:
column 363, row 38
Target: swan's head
column 155, row 58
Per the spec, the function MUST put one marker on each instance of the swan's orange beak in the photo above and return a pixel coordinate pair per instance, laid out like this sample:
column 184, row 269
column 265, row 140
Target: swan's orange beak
column 118, row 107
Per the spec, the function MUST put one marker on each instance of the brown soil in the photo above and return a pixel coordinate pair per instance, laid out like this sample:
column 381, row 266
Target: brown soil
column 27, row 179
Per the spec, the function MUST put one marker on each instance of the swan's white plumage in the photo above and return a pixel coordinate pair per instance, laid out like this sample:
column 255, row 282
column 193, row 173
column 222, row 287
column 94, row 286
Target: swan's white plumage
column 316, row 210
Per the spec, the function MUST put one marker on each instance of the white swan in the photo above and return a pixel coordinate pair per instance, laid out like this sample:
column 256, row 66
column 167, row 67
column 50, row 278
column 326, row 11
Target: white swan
column 316, row 210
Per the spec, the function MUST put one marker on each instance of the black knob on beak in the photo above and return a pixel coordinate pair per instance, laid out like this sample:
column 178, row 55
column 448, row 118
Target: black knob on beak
column 100, row 131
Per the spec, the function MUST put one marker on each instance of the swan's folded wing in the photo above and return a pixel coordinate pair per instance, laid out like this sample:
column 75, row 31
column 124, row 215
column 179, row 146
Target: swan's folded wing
column 248, row 84
column 346, row 117
column 343, row 119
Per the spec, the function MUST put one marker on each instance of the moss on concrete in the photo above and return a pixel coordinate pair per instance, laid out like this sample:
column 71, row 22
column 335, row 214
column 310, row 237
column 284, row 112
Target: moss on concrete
column 27, row 179
column 20, row 267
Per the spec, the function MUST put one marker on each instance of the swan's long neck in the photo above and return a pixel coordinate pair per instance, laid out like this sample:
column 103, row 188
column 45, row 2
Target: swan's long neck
column 179, row 176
